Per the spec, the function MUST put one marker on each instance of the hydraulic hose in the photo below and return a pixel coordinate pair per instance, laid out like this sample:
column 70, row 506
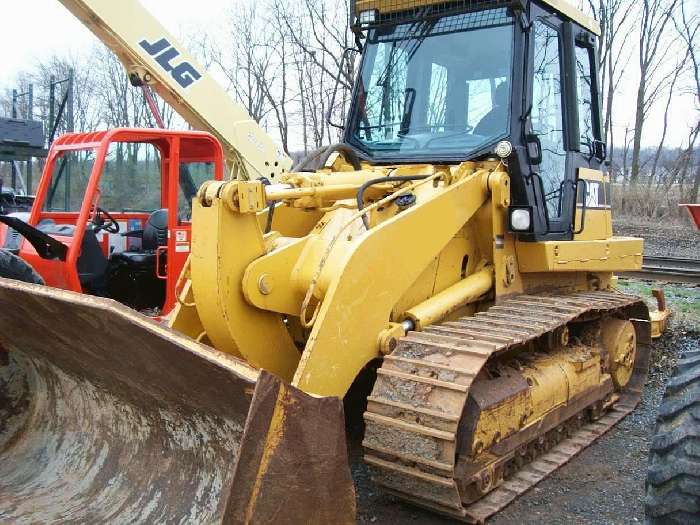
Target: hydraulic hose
column 270, row 208
column 321, row 155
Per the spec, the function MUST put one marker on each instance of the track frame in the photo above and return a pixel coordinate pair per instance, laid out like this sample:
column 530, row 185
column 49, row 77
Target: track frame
column 414, row 413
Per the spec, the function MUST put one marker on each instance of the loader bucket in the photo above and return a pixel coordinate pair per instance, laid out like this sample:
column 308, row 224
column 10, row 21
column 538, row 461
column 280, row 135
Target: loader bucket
column 106, row 416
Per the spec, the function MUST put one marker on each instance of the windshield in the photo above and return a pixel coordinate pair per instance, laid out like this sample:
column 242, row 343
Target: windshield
column 69, row 180
column 192, row 176
column 435, row 88
column 130, row 179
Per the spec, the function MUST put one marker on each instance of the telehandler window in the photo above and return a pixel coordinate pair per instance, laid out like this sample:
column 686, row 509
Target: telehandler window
column 69, row 180
column 192, row 176
column 131, row 178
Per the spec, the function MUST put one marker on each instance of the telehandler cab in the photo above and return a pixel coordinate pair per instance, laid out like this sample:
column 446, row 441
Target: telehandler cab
column 455, row 253
column 112, row 215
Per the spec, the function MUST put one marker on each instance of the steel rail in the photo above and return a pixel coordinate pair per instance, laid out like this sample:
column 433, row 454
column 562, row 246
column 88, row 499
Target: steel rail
column 671, row 269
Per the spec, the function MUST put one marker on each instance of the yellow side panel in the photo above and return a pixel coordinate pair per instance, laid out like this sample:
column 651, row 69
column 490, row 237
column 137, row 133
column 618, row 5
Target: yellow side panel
column 612, row 255
column 597, row 227
column 597, row 220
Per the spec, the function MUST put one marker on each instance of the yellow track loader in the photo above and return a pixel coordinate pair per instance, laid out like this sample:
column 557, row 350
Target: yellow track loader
column 455, row 251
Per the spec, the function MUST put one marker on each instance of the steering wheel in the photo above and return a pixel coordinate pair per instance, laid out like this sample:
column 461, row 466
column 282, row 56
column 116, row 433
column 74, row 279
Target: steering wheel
column 110, row 225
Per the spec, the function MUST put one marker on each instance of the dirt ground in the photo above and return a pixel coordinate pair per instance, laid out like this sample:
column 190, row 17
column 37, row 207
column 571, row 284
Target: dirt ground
column 662, row 238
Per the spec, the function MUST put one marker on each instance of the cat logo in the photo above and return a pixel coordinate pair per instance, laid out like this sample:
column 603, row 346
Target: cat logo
column 164, row 53
column 597, row 195
column 593, row 194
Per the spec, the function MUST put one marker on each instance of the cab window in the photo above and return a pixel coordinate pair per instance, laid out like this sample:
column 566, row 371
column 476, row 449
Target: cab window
column 440, row 88
column 547, row 115
column 584, row 94
column 131, row 178
column 69, row 180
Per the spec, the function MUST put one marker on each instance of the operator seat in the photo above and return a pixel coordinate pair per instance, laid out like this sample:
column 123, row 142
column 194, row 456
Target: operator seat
column 92, row 263
column 133, row 276
column 155, row 235
column 495, row 121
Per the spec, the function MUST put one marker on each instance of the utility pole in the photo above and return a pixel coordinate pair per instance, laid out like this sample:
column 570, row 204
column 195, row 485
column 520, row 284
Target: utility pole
column 28, row 97
column 65, row 107
column 70, row 122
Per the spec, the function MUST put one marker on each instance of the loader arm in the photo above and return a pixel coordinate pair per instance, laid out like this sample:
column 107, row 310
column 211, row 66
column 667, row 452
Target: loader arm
column 151, row 55
column 483, row 351
column 239, row 282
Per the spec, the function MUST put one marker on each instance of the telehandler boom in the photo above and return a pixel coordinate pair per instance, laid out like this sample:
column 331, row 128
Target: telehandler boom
column 152, row 56
column 455, row 253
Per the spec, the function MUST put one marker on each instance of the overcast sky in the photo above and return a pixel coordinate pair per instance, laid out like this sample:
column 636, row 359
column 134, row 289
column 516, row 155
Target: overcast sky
column 35, row 29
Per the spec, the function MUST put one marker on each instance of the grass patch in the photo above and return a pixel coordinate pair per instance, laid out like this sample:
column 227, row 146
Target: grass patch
column 684, row 300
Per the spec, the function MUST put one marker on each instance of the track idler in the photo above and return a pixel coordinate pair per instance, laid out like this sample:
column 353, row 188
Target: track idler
column 106, row 416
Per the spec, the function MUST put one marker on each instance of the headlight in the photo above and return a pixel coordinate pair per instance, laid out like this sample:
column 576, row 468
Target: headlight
column 520, row 219
column 504, row 149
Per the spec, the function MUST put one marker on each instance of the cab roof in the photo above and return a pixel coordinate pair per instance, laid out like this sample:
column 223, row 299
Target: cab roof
column 562, row 6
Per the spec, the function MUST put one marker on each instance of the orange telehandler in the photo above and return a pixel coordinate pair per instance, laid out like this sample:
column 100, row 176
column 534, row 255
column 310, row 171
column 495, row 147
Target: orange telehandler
column 112, row 215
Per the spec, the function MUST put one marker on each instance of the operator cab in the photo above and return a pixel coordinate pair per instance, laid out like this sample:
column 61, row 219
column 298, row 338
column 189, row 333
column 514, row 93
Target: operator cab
column 446, row 82
column 121, row 204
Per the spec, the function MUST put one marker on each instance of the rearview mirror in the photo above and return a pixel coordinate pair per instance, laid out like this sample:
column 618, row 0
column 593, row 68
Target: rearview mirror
column 343, row 60
column 534, row 149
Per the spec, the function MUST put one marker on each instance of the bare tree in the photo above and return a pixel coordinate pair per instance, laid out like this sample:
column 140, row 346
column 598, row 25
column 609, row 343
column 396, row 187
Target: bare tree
column 674, row 77
column 277, row 87
column 318, row 29
column 616, row 17
column 653, row 43
column 245, row 58
column 688, row 27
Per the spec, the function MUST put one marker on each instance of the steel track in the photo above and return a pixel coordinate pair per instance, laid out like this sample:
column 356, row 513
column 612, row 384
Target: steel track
column 671, row 269
column 412, row 420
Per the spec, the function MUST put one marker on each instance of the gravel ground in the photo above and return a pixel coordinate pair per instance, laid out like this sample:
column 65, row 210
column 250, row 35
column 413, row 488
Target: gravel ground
column 662, row 238
column 603, row 485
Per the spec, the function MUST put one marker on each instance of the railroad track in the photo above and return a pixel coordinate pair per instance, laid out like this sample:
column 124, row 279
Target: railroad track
column 672, row 269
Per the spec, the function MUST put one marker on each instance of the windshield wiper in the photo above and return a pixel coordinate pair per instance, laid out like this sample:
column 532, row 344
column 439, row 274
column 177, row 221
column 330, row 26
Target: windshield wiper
column 408, row 101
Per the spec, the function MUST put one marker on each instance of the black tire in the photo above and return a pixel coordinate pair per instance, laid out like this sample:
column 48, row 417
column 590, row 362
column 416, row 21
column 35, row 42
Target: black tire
column 673, row 478
column 13, row 267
